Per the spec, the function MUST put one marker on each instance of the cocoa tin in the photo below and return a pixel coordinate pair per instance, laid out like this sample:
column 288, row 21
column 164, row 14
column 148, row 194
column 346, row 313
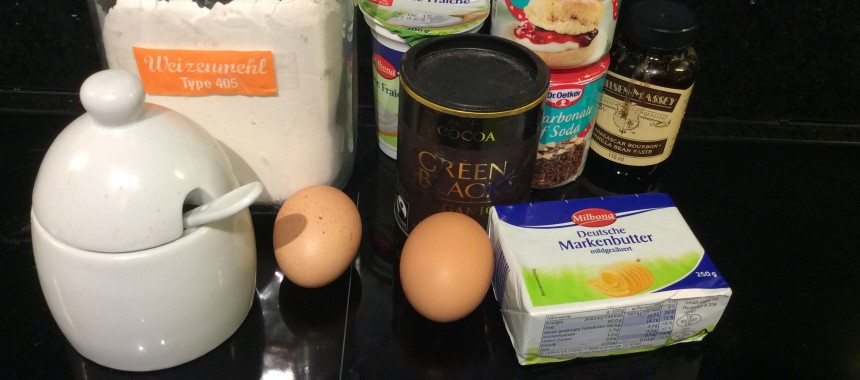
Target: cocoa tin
column 468, row 126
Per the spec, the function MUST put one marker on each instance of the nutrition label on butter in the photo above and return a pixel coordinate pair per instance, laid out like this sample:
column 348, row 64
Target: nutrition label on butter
column 622, row 329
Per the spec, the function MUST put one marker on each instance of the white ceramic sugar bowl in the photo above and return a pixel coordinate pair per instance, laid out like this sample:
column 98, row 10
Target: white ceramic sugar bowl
column 133, row 280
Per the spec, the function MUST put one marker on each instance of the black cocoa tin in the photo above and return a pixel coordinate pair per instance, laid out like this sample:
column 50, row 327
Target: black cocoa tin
column 468, row 128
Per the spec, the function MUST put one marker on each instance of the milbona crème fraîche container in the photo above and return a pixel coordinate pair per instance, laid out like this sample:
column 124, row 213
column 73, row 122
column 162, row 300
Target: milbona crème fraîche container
column 395, row 26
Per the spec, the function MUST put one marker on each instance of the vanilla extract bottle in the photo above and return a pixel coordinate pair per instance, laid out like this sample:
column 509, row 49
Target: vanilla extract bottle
column 652, row 70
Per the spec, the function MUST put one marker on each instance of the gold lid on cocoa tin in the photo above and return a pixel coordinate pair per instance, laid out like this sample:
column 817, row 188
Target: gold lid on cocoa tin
column 478, row 115
column 475, row 76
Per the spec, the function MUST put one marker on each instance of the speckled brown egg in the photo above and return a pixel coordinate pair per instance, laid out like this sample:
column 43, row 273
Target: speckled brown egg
column 446, row 266
column 316, row 235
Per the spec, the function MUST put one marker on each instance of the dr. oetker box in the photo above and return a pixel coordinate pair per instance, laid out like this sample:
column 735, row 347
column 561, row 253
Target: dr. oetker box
column 601, row 276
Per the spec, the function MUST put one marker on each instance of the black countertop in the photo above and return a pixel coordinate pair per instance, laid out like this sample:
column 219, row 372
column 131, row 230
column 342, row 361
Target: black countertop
column 779, row 219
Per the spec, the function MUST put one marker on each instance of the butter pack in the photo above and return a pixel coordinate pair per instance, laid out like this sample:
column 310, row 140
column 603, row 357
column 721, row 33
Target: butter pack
column 601, row 276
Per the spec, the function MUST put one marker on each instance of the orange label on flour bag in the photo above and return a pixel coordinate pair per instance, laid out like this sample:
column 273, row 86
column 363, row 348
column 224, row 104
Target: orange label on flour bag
column 206, row 72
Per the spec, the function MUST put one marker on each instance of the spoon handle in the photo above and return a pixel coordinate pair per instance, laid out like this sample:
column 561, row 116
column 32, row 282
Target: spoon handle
column 223, row 207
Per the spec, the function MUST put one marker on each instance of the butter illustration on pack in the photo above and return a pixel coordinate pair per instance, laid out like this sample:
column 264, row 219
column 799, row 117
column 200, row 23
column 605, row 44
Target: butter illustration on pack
column 601, row 276
column 621, row 279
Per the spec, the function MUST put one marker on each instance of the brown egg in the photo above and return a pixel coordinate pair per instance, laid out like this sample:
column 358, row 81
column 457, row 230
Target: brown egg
column 446, row 266
column 316, row 235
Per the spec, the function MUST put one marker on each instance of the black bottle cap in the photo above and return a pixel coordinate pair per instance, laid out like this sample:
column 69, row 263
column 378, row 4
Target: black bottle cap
column 660, row 24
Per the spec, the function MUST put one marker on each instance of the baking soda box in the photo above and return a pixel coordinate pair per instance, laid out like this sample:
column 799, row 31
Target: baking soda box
column 601, row 276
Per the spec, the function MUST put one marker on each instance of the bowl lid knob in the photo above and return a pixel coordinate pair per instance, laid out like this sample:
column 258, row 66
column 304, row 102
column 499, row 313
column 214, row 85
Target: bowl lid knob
column 113, row 97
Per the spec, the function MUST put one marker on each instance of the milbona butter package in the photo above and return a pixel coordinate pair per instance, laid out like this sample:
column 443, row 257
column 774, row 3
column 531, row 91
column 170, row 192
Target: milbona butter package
column 601, row 276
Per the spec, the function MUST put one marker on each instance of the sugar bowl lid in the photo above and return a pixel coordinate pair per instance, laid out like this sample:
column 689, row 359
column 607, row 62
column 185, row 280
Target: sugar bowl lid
column 118, row 177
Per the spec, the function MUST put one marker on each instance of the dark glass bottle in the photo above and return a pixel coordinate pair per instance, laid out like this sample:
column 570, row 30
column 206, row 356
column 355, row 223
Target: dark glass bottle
column 651, row 74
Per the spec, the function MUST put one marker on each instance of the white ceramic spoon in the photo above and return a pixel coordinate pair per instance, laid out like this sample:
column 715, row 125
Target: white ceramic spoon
column 224, row 207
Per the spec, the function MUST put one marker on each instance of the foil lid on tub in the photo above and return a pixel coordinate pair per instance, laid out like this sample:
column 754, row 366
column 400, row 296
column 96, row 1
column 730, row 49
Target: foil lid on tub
column 413, row 20
column 564, row 33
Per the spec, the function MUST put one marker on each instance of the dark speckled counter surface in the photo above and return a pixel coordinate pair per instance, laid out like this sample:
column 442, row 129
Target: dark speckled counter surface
column 779, row 219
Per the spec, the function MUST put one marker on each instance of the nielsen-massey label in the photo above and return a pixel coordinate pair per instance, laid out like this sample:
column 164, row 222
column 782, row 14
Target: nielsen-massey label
column 637, row 122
